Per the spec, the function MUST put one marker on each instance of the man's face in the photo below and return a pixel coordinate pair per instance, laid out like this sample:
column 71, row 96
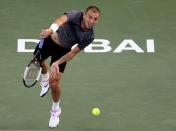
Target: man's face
column 90, row 19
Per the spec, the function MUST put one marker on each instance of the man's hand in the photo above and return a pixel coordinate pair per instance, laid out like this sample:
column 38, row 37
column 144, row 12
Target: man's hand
column 54, row 71
column 45, row 33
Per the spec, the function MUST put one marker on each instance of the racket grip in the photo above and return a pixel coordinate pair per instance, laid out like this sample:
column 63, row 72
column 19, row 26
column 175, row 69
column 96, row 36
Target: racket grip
column 41, row 43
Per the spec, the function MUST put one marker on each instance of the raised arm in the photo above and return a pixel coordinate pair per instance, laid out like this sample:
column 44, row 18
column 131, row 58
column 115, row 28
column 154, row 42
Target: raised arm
column 53, row 28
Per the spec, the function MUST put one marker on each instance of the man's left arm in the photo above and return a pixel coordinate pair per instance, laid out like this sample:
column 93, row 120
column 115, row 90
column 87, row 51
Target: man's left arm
column 73, row 52
column 67, row 57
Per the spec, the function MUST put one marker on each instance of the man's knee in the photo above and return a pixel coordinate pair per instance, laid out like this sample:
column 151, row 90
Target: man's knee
column 53, row 83
column 44, row 66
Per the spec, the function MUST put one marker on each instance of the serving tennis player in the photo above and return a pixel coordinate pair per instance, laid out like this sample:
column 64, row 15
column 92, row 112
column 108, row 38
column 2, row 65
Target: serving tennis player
column 73, row 27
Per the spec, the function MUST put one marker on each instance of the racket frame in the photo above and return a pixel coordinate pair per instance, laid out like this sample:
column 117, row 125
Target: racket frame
column 27, row 67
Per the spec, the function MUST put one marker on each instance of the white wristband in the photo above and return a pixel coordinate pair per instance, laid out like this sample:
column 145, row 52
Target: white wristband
column 54, row 27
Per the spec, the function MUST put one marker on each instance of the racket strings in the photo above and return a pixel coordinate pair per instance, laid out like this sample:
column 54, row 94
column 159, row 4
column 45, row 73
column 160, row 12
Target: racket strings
column 33, row 70
column 32, row 73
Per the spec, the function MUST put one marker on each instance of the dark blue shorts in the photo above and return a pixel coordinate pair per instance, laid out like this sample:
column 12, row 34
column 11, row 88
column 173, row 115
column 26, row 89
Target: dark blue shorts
column 50, row 48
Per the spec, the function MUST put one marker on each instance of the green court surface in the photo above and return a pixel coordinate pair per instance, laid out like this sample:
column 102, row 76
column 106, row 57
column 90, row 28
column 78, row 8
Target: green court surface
column 135, row 91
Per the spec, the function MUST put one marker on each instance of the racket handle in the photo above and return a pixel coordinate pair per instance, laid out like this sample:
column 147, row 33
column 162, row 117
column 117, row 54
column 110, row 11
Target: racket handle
column 41, row 43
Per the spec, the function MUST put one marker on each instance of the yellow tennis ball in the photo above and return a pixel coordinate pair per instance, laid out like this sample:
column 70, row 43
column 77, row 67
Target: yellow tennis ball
column 96, row 111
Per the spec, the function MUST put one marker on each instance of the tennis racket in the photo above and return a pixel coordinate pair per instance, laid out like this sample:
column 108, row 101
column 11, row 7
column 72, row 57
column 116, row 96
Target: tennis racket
column 33, row 69
column 32, row 72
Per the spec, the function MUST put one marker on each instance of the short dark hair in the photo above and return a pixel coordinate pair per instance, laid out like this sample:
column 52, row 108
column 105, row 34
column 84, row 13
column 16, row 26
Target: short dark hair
column 93, row 8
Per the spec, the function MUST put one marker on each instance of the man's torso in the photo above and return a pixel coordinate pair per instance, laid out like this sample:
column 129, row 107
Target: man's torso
column 71, row 32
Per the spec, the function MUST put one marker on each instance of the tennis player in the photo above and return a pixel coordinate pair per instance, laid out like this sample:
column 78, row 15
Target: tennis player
column 73, row 27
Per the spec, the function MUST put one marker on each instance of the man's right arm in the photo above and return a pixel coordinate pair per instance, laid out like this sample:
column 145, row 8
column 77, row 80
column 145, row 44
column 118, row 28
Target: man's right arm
column 61, row 20
column 58, row 22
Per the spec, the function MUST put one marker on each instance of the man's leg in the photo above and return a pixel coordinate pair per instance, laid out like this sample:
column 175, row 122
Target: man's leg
column 44, row 66
column 45, row 51
column 56, row 93
column 45, row 79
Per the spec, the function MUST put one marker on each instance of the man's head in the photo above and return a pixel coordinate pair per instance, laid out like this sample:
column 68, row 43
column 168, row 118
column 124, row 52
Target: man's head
column 91, row 16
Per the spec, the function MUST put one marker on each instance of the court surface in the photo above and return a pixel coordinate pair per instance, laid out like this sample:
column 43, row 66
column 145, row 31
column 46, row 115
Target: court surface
column 135, row 91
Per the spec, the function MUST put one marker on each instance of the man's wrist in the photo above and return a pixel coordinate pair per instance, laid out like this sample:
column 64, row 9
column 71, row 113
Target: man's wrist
column 54, row 27
column 56, row 63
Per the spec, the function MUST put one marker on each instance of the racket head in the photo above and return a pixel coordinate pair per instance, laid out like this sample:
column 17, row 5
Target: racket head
column 32, row 73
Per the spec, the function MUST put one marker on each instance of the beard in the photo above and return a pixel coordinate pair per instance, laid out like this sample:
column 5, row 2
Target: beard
column 85, row 25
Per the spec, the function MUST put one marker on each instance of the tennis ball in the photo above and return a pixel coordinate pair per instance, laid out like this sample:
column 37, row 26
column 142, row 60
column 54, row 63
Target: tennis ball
column 96, row 111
